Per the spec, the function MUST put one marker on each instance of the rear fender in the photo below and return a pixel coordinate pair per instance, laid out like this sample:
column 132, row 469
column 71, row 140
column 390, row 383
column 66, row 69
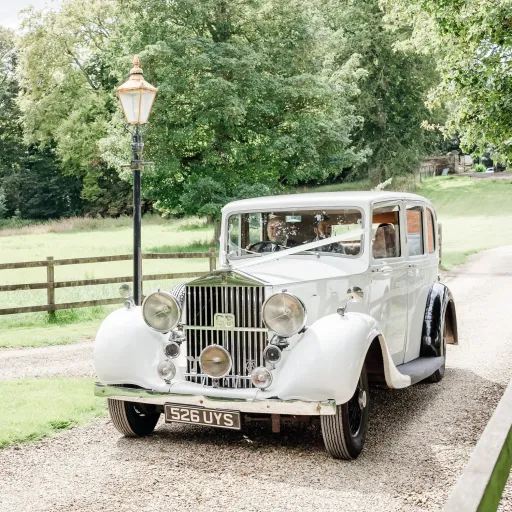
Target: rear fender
column 327, row 361
column 440, row 306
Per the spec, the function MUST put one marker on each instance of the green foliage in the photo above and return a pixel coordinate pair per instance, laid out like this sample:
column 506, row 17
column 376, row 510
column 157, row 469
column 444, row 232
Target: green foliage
column 471, row 44
column 3, row 205
column 479, row 168
column 393, row 92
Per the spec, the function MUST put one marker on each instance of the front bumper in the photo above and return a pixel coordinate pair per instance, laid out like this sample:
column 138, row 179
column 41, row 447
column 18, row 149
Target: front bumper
column 267, row 406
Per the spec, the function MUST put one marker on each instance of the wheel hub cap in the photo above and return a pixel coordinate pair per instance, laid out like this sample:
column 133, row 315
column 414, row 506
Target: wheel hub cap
column 362, row 399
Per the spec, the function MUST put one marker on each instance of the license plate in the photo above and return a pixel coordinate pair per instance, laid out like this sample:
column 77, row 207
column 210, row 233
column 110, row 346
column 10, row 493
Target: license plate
column 200, row 416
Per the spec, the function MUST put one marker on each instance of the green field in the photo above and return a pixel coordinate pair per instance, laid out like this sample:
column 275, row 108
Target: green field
column 35, row 408
column 475, row 215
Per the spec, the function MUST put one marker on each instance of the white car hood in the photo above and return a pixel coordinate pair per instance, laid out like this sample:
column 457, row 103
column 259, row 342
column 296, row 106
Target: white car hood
column 302, row 268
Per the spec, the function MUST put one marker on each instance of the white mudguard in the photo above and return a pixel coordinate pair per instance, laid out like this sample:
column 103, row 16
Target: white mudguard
column 326, row 363
column 127, row 351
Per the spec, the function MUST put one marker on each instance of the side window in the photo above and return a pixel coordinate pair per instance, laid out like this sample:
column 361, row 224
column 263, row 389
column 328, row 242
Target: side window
column 415, row 230
column 431, row 234
column 386, row 232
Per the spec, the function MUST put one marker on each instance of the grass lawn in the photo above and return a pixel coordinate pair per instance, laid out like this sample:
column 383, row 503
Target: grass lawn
column 36, row 408
column 476, row 214
column 29, row 244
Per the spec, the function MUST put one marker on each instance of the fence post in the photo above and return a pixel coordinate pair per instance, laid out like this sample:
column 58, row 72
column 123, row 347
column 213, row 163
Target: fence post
column 213, row 260
column 50, row 279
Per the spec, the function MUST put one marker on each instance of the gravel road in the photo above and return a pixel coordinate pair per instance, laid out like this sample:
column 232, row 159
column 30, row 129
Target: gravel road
column 58, row 361
column 419, row 440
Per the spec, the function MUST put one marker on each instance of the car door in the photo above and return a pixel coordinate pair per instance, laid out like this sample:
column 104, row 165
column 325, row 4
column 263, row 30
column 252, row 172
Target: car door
column 417, row 276
column 389, row 271
column 422, row 269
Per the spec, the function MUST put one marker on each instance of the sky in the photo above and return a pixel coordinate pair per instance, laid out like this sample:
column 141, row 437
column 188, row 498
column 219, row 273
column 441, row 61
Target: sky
column 9, row 10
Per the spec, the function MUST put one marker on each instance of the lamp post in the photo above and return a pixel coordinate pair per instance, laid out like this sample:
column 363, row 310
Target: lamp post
column 136, row 97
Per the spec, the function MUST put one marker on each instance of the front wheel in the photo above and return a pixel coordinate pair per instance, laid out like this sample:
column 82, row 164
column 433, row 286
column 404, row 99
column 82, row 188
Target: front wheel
column 344, row 433
column 132, row 419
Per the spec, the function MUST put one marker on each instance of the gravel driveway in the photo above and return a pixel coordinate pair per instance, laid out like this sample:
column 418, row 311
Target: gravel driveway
column 419, row 440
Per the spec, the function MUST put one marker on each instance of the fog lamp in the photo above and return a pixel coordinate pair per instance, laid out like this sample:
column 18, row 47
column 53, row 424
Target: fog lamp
column 215, row 361
column 172, row 350
column 284, row 313
column 272, row 354
column 161, row 311
column 261, row 377
column 166, row 370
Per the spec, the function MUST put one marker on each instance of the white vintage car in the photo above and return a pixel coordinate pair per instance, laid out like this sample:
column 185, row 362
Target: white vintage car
column 317, row 298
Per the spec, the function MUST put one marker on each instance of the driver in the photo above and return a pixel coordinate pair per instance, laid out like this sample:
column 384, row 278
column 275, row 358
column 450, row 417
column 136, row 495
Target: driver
column 277, row 233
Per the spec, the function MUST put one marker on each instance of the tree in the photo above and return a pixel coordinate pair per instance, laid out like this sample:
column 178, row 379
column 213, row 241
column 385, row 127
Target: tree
column 472, row 46
column 250, row 92
column 393, row 91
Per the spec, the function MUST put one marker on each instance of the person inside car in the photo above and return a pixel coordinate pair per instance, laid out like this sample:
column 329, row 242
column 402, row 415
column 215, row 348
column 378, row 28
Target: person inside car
column 278, row 240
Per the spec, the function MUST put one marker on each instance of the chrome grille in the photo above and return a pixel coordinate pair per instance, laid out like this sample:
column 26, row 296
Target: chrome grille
column 245, row 343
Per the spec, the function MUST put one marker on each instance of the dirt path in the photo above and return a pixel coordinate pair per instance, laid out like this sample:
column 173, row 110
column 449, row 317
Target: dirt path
column 419, row 441
column 59, row 361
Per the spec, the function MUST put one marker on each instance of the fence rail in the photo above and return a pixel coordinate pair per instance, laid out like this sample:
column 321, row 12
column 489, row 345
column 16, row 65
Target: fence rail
column 481, row 485
column 51, row 285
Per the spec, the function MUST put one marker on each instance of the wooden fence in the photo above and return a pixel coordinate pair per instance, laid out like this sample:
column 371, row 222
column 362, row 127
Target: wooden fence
column 51, row 285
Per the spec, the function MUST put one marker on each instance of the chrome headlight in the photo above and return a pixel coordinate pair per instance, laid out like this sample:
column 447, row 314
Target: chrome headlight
column 284, row 313
column 161, row 311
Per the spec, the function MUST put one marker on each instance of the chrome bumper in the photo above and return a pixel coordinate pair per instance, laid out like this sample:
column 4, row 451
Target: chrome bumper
column 268, row 406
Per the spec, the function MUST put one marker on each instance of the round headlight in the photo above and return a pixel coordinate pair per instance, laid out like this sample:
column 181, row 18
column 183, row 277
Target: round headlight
column 284, row 313
column 161, row 311
column 261, row 377
column 166, row 370
column 215, row 361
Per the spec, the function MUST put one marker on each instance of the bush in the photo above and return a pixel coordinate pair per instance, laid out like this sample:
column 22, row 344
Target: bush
column 480, row 168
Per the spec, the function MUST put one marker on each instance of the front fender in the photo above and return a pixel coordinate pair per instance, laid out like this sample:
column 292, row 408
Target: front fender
column 126, row 351
column 327, row 361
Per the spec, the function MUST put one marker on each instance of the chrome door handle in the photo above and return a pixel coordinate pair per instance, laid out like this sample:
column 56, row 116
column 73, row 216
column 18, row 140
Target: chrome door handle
column 383, row 270
column 414, row 265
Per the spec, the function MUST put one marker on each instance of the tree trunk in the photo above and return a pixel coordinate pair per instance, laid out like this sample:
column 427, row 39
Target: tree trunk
column 216, row 231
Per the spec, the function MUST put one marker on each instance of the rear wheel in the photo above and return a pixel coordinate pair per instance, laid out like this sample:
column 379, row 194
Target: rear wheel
column 438, row 375
column 133, row 419
column 344, row 433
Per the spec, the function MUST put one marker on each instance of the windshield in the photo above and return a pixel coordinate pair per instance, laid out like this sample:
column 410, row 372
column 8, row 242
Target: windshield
column 251, row 234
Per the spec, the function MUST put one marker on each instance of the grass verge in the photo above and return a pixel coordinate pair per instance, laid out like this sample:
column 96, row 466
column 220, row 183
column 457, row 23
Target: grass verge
column 36, row 408
column 48, row 335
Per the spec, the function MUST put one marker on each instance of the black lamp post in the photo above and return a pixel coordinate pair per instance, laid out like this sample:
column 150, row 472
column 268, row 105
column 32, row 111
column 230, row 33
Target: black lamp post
column 137, row 97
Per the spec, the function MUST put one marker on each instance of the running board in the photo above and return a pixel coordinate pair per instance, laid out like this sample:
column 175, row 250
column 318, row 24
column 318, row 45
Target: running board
column 421, row 368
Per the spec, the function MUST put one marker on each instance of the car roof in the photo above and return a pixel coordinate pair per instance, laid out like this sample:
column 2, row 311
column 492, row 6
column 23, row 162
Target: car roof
column 319, row 199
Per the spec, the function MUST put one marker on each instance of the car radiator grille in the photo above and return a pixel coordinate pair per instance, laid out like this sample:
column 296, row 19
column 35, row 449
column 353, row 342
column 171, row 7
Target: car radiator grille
column 245, row 343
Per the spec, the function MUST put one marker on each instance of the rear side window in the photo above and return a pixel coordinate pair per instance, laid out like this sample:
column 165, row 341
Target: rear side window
column 431, row 234
column 386, row 232
column 415, row 230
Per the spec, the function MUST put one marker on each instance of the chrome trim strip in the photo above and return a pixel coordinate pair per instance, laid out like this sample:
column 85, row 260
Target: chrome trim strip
column 269, row 406
column 236, row 329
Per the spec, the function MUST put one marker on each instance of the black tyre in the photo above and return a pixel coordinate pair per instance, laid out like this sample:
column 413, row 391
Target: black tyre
column 132, row 419
column 438, row 375
column 344, row 433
